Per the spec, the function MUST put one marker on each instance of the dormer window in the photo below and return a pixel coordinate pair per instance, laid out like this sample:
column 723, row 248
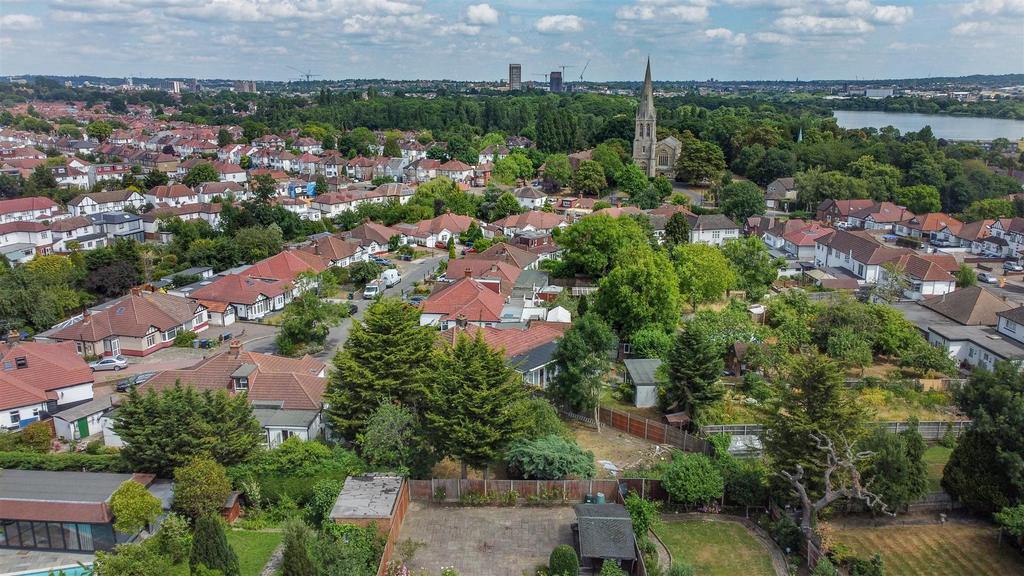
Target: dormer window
column 240, row 377
column 241, row 383
column 21, row 362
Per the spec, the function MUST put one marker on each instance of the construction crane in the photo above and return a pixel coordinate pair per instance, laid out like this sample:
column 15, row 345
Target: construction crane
column 585, row 66
column 307, row 74
column 545, row 75
column 563, row 67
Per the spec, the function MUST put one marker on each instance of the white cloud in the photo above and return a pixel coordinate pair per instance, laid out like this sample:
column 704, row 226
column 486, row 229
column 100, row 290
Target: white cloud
column 458, row 29
column 823, row 25
column 973, row 28
column 774, row 38
column 885, row 14
column 559, row 23
column 514, row 41
column 994, row 8
column 19, row 22
column 727, row 36
column 649, row 10
column 481, row 14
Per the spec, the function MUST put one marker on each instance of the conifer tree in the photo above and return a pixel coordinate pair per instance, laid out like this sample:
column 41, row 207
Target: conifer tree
column 210, row 547
column 296, row 561
column 386, row 356
column 692, row 374
column 473, row 409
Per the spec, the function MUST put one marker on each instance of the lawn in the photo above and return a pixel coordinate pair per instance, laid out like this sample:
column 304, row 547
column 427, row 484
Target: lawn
column 716, row 548
column 935, row 459
column 951, row 550
column 253, row 549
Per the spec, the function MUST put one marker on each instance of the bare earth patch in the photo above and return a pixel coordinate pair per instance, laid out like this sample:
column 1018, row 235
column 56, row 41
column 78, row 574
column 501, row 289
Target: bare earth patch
column 625, row 451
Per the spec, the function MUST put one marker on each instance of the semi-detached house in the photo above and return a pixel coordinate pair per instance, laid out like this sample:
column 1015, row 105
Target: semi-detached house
column 107, row 201
column 38, row 378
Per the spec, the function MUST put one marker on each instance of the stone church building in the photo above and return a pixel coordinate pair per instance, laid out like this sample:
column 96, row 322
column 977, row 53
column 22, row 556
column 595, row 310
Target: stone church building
column 655, row 157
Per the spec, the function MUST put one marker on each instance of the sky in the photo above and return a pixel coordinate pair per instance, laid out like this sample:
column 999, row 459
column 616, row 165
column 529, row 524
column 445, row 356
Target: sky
column 447, row 39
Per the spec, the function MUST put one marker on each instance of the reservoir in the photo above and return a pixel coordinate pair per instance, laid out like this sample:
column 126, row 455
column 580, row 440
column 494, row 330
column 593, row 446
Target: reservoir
column 948, row 127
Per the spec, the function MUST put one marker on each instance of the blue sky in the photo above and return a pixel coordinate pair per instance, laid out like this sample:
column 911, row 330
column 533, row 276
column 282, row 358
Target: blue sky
column 409, row 39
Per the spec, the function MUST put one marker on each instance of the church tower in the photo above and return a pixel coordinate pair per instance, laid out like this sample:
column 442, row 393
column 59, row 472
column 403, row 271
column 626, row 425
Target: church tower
column 645, row 135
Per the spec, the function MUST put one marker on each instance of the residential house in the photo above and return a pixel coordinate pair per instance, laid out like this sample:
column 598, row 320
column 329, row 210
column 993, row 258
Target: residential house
column 529, row 350
column 505, row 252
column 463, row 302
column 78, row 229
column 374, row 237
column 339, row 251
column 286, row 393
column 928, row 226
column 269, row 141
column 965, row 237
column 136, row 324
column 412, row 150
column 993, row 247
column 530, row 198
column 106, row 201
column 104, row 172
column 436, row 231
column 716, row 229
column 831, row 211
column 878, row 216
column 119, row 225
column 455, row 170
column 531, row 221
column 780, row 194
column 229, row 172
column 925, row 274
column 575, row 207
column 422, row 170
column 172, row 195
column 307, row 145
column 27, row 208
column 1012, row 231
column 39, row 378
column 209, row 212
column 301, row 207
column 209, row 191
column 492, row 154
column 796, row 238
column 856, row 252
column 25, row 238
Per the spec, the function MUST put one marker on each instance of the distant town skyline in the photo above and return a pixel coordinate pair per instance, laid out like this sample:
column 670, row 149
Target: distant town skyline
column 418, row 39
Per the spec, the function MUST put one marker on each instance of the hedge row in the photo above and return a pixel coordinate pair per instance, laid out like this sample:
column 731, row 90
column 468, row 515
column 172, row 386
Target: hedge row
column 63, row 462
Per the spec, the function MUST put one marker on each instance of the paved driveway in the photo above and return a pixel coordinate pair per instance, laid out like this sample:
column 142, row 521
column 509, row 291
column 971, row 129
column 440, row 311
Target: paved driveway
column 484, row 541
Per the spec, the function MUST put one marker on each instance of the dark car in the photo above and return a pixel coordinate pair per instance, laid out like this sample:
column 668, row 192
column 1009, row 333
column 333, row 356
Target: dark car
column 352, row 309
column 134, row 380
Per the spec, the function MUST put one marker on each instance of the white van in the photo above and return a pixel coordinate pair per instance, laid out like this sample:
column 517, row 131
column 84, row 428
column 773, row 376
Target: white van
column 390, row 277
column 372, row 290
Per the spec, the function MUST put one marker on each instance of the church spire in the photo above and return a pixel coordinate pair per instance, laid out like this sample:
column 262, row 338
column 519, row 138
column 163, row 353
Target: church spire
column 646, row 108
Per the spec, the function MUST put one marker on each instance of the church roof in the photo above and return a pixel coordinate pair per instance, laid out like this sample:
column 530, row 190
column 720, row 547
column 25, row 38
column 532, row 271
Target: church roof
column 646, row 109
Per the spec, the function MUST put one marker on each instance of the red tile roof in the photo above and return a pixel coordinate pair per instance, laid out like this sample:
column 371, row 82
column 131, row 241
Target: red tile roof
column 466, row 299
column 333, row 248
column 132, row 315
column 26, row 204
column 171, row 191
column 48, row 367
column 287, row 265
column 238, row 289
column 513, row 341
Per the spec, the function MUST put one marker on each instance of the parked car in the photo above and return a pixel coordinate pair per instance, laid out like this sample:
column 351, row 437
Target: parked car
column 988, row 278
column 133, row 381
column 112, row 363
column 1012, row 267
column 390, row 277
column 352, row 309
column 417, row 300
column 372, row 291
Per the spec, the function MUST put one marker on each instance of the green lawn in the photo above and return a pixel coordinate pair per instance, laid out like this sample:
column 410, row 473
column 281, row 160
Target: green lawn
column 935, row 459
column 253, row 549
column 716, row 548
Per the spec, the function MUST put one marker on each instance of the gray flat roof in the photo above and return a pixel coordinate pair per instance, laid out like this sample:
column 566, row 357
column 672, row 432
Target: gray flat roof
column 94, row 406
column 642, row 370
column 279, row 418
column 367, row 497
column 88, row 487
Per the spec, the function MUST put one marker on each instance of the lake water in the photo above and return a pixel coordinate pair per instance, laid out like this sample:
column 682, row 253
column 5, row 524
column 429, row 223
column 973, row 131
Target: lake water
column 948, row 127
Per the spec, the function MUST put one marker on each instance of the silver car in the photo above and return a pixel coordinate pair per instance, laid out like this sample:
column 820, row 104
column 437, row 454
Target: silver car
column 112, row 363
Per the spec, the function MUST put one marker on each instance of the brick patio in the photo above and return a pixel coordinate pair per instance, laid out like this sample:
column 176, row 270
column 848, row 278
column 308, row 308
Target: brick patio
column 485, row 541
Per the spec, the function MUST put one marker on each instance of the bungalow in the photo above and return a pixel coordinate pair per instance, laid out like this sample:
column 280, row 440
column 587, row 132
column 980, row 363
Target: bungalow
column 374, row 237
column 392, row 191
column 780, row 194
column 574, row 207
column 531, row 221
column 878, row 216
column 465, row 301
column 965, row 236
column 455, row 170
column 530, row 351
column 1012, row 231
column 286, row 393
column 136, row 324
column 39, row 378
column 514, row 255
column 857, row 252
column 832, row 211
column 341, row 252
column 436, row 231
column 27, row 208
column 796, row 238
column 928, row 226
column 993, row 246
column 106, row 201
column 334, row 203
column 210, row 191
column 530, row 198
column 925, row 274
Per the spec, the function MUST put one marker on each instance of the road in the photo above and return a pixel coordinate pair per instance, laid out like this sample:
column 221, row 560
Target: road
column 412, row 272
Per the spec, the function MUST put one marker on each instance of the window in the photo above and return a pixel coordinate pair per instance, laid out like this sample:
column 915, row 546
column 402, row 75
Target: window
column 1011, row 326
column 79, row 347
column 663, row 159
column 150, row 340
column 15, row 416
column 241, row 383
column 716, row 234
column 21, row 362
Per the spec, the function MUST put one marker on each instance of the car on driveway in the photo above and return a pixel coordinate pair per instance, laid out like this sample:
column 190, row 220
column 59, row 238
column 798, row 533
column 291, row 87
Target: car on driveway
column 133, row 381
column 988, row 278
column 1012, row 267
column 352, row 309
column 381, row 261
column 112, row 363
column 417, row 300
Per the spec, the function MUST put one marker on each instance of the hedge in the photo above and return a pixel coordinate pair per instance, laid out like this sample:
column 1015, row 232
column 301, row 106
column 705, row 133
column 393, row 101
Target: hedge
column 64, row 462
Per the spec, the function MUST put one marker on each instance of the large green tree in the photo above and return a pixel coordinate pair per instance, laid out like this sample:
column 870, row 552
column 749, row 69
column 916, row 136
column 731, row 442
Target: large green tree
column 699, row 161
column 741, row 199
column 640, row 291
column 582, row 360
column 473, row 398
column 558, row 170
column 589, row 178
column 387, row 355
column 691, row 375
column 755, row 268
column 200, row 488
column 200, row 173
column 896, row 471
column 704, row 273
column 595, row 244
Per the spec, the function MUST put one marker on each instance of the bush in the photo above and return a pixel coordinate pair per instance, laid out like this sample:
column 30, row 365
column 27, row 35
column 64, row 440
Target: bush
column 37, row 436
column 825, row 568
column 680, row 568
column 863, row 567
column 563, row 560
column 693, row 478
column 133, row 507
column 174, row 539
column 184, row 339
column 95, row 447
column 294, row 467
column 643, row 513
column 786, row 533
column 325, row 492
column 549, row 458
column 200, row 488
column 64, row 461
column 210, row 547
column 610, row 569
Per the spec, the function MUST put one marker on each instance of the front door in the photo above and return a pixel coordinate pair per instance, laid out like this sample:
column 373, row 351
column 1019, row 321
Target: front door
column 83, row 427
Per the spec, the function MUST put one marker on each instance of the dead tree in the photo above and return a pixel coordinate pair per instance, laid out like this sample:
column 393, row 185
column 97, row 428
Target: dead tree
column 850, row 485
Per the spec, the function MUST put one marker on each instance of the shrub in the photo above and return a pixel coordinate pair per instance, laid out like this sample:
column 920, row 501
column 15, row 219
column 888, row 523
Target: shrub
column 133, row 507
column 296, row 560
column 563, row 560
column 643, row 513
column 325, row 492
column 693, row 478
column 294, row 467
column 863, row 567
column 64, row 461
column 680, row 568
column 210, row 547
column 175, row 538
column 184, row 339
column 37, row 436
column 549, row 458
column 95, row 447
column 610, row 569
column 825, row 568
column 786, row 533
column 200, row 488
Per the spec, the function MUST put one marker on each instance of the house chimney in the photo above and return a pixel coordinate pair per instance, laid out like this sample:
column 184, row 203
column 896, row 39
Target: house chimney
column 136, row 291
column 467, row 273
column 13, row 336
column 86, row 316
column 316, row 248
column 235, row 347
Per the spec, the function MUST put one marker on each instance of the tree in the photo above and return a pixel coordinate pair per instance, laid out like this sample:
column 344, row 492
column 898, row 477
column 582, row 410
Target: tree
column 589, row 178
column 175, row 537
column 391, row 149
column 814, row 403
column 897, row 472
column 549, row 458
column 512, row 168
column 651, row 341
column 505, row 205
column 362, row 273
column 754, row 267
column 988, row 209
column 210, row 547
column 815, row 184
column 691, row 478
column 155, row 178
column 321, row 501
column 321, row 188
column 296, row 560
column 100, row 130
column 633, row 181
column 662, row 188
column 224, row 138
column 563, row 561
column 640, row 291
column 582, row 360
column 882, row 180
column 200, row 488
column 741, row 199
column 263, row 187
column 677, row 230
column 258, row 242
column 164, row 430
column 136, row 559
column 704, row 273
column 919, row 199
column 595, row 244
column 387, row 355
column 965, row 277
column 699, row 161
column 691, row 375
column 200, row 173
column 306, row 322
column 849, row 347
column 824, row 567
column 471, row 400
column 348, row 549
column 610, row 157
column 1012, row 519
column 558, row 170
column 133, row 507
column 393, row 440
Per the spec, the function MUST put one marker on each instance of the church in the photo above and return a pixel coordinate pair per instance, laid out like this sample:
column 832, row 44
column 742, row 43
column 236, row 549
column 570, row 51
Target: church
column 656, row 157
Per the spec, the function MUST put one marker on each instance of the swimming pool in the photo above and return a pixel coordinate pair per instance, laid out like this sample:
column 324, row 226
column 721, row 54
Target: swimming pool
column 73, row 570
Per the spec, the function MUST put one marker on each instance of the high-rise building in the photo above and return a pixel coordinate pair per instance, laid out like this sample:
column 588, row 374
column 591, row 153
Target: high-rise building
column 556, row 81
column 515, row 76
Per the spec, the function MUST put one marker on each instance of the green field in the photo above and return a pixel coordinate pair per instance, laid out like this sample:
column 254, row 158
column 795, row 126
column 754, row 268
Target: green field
column 253, row 549
column 716, row 548
column 950, row 550
column 935, row 459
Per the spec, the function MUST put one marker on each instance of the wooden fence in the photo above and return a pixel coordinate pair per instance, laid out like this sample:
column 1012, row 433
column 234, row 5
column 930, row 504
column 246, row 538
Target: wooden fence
column 538, row 491
column 932, row 430
column 650, row 430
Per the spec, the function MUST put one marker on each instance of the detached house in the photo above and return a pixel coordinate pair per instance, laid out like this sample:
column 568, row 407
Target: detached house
column 878, row 216
column 172, row 195
column 531, row 221
column 76, row 229
column 39, row 378
column 286, row 393
column 455, row 170
column 856, row 252
column 464, row 302
column 27, row 208
column 107, row 201
column 832, row 211
column 929, row 226
column 780, row 194
column 339, row 251
column 530, row 198
column 530, row 351
column 374, row 237
column 436, row 231
column 137, row 324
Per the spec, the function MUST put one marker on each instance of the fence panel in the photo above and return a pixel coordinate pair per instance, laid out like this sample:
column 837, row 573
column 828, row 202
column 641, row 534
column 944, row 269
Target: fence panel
column 931, row 430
